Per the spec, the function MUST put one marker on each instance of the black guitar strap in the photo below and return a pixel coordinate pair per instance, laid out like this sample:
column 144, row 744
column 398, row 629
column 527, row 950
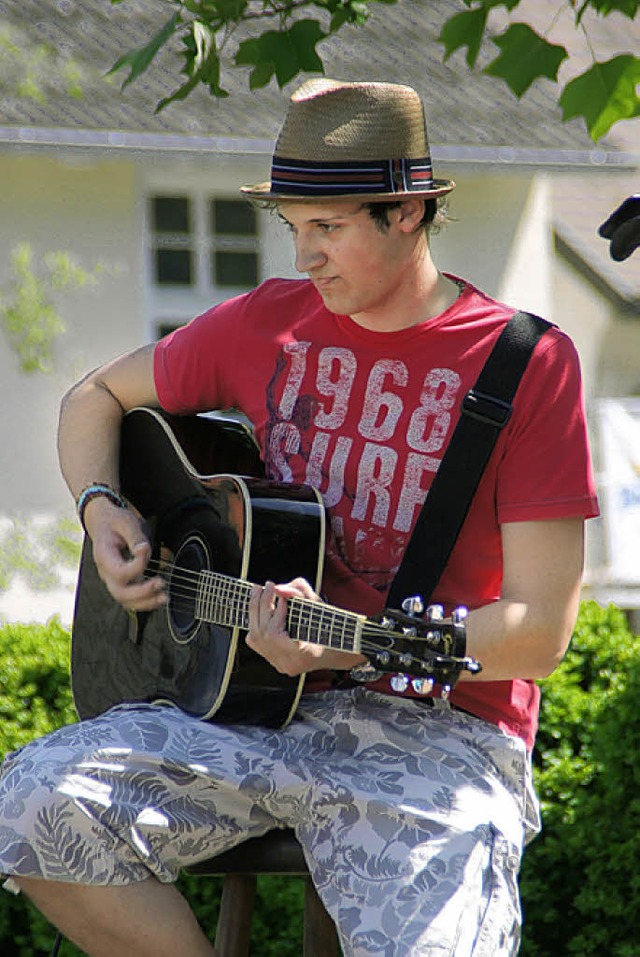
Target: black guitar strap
column 485, row 410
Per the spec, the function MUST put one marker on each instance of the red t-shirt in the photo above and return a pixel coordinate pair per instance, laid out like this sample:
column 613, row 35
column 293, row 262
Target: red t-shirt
column 364, row 417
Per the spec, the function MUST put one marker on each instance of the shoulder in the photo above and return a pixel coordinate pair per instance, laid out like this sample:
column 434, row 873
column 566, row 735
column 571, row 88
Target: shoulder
column 283, row 291
column 274, row 304
column 490, row 316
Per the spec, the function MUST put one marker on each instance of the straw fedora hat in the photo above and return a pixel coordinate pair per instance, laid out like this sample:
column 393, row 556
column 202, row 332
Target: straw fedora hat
column 343, row 139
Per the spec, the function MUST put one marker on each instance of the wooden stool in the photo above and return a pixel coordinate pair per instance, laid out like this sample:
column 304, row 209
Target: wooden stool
column 277, row 852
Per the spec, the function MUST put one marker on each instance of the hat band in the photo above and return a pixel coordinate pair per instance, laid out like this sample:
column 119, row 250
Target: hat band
column 308, row 178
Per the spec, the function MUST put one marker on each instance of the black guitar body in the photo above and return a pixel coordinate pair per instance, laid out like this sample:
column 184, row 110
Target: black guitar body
column 198, row 521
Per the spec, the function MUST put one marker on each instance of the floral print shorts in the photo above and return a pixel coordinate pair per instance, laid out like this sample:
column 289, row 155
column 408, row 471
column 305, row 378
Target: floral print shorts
column 412, row 817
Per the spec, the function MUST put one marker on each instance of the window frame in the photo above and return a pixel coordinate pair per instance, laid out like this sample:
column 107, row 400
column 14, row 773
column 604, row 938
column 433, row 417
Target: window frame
column 173, row 305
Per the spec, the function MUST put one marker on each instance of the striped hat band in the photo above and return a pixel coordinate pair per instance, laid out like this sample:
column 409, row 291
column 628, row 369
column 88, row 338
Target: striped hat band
column 305, row 178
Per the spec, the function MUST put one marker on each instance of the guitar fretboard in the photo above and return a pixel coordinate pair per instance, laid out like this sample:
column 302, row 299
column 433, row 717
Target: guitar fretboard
column 222, row 600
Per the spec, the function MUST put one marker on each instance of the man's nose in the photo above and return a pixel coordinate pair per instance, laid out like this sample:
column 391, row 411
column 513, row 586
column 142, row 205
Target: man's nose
column 309, row 256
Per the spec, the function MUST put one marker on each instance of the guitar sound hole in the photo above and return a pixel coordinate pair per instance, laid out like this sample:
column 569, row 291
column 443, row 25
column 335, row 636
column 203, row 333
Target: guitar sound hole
column 191, row 558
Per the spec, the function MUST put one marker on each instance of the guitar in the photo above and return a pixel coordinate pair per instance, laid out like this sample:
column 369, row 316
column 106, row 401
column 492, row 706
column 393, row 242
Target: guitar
column 213, row 534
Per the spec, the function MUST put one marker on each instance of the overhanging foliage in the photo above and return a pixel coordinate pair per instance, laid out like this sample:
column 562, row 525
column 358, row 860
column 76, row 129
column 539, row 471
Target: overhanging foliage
column 286, row 43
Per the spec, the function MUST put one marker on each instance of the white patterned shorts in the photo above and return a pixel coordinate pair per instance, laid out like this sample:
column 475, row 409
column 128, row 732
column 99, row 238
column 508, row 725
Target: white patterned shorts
column 412, row 818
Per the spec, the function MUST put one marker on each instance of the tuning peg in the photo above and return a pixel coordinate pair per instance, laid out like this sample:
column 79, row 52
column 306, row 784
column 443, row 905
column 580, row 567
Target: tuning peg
column 422, row 686
column 399, row 683
column 405, row 660
column 446, row 691
column 413, row 606
column 459, row 614
column 435, row 613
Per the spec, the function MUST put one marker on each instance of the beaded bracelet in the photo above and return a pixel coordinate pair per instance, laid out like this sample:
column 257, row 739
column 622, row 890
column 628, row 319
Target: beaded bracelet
column 93, row 491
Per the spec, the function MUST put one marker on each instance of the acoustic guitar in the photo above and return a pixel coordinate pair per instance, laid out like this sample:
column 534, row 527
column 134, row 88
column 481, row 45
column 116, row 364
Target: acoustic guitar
column 215, row 533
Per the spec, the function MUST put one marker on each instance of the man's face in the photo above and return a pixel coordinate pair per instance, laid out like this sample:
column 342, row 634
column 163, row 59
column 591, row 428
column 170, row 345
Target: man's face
column 356, row 268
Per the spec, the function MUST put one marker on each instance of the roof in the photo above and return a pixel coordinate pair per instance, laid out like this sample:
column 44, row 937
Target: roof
column 472, row 117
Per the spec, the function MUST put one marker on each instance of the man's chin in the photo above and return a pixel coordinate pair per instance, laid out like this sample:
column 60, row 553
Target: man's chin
column 331, row 297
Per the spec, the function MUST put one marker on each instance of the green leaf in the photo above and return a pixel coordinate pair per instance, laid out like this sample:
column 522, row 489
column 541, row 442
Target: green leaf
column 205, row 39
column 222, row 10
column 348, row 11
column 202, row 64
column 464, row 30
column 283, row 54
column 524, row 57
column 627, row 7
column 487, row 5
column 604, row 94
column 139, row 60
column 208, row 74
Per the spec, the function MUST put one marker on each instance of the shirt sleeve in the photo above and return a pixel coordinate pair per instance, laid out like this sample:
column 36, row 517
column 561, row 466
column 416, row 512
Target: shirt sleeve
column 193, row 366
column 546, row 469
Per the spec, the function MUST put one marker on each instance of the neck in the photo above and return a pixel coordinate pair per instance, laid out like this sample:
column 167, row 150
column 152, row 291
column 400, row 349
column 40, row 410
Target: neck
column 422, row 294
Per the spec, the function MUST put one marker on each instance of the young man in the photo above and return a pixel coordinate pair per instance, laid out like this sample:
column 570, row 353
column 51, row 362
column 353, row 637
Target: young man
column 413, row 811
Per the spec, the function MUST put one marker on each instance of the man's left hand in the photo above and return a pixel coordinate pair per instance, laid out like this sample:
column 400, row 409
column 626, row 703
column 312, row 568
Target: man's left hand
column 268, row 635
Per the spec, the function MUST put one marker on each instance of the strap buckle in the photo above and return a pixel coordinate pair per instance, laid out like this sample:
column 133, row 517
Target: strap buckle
column 486, row 408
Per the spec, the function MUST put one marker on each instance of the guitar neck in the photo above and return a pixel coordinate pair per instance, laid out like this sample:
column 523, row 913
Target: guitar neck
column 222, row 600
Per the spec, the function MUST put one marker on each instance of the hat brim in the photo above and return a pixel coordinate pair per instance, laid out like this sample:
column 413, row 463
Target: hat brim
column 263, row 191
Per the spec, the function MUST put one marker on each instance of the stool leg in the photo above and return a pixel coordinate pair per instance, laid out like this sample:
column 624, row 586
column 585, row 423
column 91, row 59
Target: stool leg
column 233, row 932
column 320, row 938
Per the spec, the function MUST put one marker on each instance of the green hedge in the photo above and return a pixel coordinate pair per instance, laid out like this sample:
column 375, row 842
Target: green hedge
column 580, row 889
column 35, row 698
column 580, row 882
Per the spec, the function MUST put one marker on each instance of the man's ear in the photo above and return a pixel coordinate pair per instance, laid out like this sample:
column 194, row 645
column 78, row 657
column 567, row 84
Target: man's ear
column 410, row 213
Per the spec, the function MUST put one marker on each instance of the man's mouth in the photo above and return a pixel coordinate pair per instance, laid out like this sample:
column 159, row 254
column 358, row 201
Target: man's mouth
column 323, row 282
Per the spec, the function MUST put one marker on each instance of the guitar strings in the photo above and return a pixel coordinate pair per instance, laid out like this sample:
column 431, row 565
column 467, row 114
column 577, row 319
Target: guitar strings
column 186, row 587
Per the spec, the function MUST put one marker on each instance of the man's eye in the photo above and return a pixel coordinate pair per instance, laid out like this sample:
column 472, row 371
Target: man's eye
column 328, row 227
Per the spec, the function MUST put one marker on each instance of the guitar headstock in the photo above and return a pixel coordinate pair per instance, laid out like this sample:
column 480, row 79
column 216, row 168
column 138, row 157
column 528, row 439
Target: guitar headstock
column 421, row 650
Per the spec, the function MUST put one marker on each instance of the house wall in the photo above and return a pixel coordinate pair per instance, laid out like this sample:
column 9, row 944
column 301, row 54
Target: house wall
column 92, row 208
column 608, row 342
column 485, row 213
column 88, row 209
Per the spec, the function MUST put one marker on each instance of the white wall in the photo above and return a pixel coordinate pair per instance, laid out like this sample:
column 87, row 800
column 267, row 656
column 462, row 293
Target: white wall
column 93, row 208
column 486, row 213
column 87, row 209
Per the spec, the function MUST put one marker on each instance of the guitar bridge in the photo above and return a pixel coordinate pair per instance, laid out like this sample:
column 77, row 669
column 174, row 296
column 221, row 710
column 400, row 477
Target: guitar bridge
column 134, row 627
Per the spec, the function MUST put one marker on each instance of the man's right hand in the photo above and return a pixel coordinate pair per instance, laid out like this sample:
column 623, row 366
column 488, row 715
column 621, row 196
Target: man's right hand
column 121, row 553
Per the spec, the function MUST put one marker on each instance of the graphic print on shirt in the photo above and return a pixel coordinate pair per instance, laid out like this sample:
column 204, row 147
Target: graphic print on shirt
column 368, row 435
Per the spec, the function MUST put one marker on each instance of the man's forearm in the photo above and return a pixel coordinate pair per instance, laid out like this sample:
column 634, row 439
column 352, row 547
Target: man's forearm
column 91, row 417
column 518, row 639
column 88, row 436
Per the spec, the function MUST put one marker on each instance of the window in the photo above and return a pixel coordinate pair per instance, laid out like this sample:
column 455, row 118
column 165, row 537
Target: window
column 234, row 258
column 166, row 326
column 173, row 241
column 203, row 243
